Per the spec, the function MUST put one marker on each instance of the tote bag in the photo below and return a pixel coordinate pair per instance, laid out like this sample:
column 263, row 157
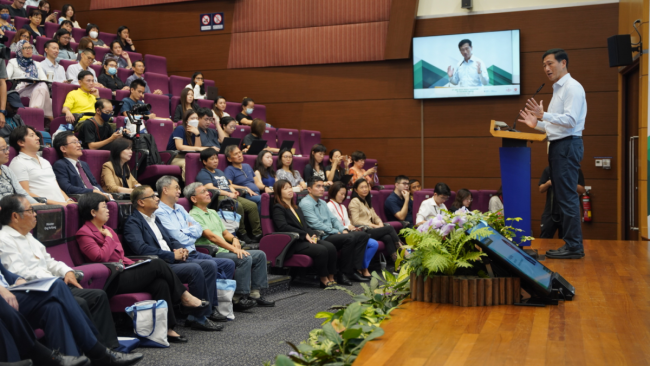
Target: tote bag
column 150, row 322
column 225, row 292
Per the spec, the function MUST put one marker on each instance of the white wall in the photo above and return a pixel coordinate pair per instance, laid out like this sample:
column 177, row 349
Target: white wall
column 443, row 8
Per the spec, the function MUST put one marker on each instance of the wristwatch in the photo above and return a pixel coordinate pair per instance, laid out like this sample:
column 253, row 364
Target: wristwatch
column 3, row 111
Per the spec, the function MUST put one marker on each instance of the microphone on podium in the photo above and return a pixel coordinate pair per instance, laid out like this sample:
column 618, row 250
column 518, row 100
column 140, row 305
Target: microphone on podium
column 514, row 125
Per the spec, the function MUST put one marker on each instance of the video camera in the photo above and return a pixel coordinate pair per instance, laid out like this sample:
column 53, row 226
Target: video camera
column 5, row 52
column 140, row 108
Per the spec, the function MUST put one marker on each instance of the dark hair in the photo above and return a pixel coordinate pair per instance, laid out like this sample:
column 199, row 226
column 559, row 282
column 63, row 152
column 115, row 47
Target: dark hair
column 315, row 179
column 413, row 181
column 559, row 55
column 461, row 195
column 18, row 134
column 216, row 110
column 207, row 154
column 120, row 30
column 136, row 83
column 87, row 203
column 57, row 37
column 83, row 73
column 245, row 101
column 34, row 12
column 140, row 61
column 442, row 189
column 9, row 205
column 461, row 43
column 99, row 104
column 401, row 177
column 279, row 164
column 259, row 165
column 19, row 33
column 224, row 121
column 499, row 191
column 334, row 190
column 367, row 202
column 108, row 60
column 312, row 161
column 88, row 50
column 258, row 127
column 193, row 83
column 338, row 167
column 113, row 43
column 64, row 11
column 90, row 27
column 117, row 147
column 42, row 2
column 229, row 150
column 47, row 44
column 188, row 134
column 85, row 43
column 60, row 140
column 202, row 112
column 183, row 101
column 358, row 155
column 277, row 192
column 64, row 23
column 137, row 194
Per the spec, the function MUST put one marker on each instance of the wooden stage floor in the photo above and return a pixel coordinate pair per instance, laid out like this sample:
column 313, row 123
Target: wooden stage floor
column 607, row 323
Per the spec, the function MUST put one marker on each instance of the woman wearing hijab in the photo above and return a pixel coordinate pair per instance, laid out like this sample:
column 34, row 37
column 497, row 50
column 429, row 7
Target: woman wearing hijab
column 23, row 67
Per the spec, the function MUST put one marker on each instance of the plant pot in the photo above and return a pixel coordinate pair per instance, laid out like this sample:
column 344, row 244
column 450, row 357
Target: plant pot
column 466, row 291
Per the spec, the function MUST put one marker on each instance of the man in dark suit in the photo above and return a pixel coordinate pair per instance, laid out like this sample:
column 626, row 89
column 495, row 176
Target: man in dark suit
column 66, row 326
column 144, row 234
column 73, row 176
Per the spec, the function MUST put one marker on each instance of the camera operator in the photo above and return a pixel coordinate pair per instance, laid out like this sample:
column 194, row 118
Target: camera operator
column 96, row 133
column 137, row 88
column 5, row 54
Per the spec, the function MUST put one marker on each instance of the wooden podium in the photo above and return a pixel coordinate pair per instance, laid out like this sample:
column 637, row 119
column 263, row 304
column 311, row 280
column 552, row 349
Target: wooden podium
column 514, row 158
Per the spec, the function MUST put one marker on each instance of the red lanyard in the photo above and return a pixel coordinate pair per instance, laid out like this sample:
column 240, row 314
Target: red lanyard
column 336, row 206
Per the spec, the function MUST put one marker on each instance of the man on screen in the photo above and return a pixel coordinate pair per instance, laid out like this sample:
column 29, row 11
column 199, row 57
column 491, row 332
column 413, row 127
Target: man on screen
column 471, row 71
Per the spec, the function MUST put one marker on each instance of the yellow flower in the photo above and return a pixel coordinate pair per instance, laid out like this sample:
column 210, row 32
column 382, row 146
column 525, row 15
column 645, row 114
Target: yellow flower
column 338, row 326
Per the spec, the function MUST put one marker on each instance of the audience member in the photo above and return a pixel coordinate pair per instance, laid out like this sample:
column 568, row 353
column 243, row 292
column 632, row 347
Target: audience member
column 181, row 137
column 250, row 266
column 137, row 88
column 213, row 178
column 185, row 103
column 552, row 217
column 197, row 85
column 109, row 78
column 124, row 39
column 48, row 16
column 433, row 206
column 51, row 65
column 399, row 206
column 5, row 19
column 67, row 13
column 17, row 9
column 337, row 194
column 496, row 202
column 8, row 182
column 219, row 109
column 99, row 243
column 21, row 35
column 92, row 31
column 34, row 173
column 315, row 168
column 359, row 160
column 87, row 58
column 414, row 186
column 287, row 217
column 335, row 170
column 247, row 107
column 352, row 244
column 12, row 118
column 209, row 136
column 63, row 38
column 67, row 25
column 145, row 234
column 23, row 67
column 264, row 172
column 363, row 215
column 257, row 133
column 463, row 199
column 34, row 26
column 118, row 54
column 86, row 44
column 116, row 174
column 138, row 73
column 96, row 133
column 228, row 126
column 241, row 175
column 284, row 170
column 81, row 100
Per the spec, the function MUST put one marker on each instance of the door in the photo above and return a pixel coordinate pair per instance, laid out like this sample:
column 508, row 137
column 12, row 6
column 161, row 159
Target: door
column 631, row 162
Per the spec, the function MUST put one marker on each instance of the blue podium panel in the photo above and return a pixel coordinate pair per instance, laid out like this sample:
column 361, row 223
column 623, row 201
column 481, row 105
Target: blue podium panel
column 515, row 182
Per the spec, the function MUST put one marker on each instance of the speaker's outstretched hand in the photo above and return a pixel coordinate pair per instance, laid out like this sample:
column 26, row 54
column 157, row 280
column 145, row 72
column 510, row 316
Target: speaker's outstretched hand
column 528, row 118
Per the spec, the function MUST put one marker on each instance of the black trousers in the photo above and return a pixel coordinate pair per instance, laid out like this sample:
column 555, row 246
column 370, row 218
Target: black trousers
column 157, row 279
column 17, row 338
column 323, row 253
column 353, row 249
column 95, row 304
column 550, row 226
column 388, row 236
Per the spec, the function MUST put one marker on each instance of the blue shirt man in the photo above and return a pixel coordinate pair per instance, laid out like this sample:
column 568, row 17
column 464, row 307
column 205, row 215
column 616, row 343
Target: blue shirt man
column 241, row 175
column 319, row 217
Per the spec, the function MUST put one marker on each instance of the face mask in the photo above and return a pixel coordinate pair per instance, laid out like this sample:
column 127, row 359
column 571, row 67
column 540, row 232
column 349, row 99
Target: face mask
column 5, row 16
column 193, row 123
column 106, row 117
column 93, row 34
column 112, row 70
column 249, row 110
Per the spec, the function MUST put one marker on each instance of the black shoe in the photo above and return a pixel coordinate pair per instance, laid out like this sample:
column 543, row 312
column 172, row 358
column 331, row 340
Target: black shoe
column 243, row 304
column 263, row 302
column 566, row 254
column 344, row 280
column 245, row 238
column 257, row 238
column 207, row 326
column 563, row 248
column 356, row 277
column 179, row 339
column 217, row 317
column 111, row 357
column 329, row 284
column 57, row 359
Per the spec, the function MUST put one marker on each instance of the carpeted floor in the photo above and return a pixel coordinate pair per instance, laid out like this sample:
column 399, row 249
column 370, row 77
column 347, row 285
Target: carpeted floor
column 255, row 336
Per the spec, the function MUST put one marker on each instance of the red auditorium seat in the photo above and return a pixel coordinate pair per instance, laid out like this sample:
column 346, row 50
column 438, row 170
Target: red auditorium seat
column 74, row 45
column 308, row 139
column 40, row 44
column 270, row 136
column 121, row 94
column 288, row 134
column 177, row 84
column 19, row 22
column 233, row 108
column 124, row 74
column 33, row 117
column 50, row 29
column 157, row 81
column 156, row 64
column 240, row 132
column 78, row 33
column 98, row 69
column 193, row 166
column 134, row 56
column 38, row 58
column 160, row 130
column 107, row 38
column 205, row 103
column 100, row 52
column 159, row 104
column 66, row 63
column 10, row 36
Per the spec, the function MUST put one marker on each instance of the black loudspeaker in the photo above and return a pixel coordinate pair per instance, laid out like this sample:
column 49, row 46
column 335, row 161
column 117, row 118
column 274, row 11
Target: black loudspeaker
column 466, row 4
column 620, row 50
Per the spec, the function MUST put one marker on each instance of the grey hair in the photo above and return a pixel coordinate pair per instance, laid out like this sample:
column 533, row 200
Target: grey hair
column 190, row 190
column 164, row 182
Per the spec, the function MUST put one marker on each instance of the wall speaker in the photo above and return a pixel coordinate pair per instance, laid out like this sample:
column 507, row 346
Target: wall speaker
column 620, row 50
column 466, row 4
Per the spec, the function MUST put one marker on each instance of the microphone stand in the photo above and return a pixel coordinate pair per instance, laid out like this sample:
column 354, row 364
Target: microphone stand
column 514, row 125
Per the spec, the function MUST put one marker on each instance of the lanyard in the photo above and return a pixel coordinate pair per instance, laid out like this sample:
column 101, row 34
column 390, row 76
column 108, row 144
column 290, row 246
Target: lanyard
column 336, row 207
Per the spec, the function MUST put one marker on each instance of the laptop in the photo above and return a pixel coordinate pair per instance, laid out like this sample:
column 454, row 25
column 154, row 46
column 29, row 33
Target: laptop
column 346, row 179
column 256, row 147
column 286, row 144
column 212, row 93
column 228, row 141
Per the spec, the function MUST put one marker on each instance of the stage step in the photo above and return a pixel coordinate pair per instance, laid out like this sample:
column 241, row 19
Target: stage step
column 277, row 283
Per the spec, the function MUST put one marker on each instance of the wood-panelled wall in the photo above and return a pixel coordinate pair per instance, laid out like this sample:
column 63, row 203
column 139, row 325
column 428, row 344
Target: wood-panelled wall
column 370, row 105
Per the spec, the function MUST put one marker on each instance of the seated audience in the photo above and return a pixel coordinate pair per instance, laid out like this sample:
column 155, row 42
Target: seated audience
column 23, row 67
column 86, row 44
column 124, row 39
column 21, row 35
column 284, row 170
column 250, row 266
column 185, row 103
column 138, row 73
column 219, row 109
column 496, row 202
column 257, row 133
column 99, row 243
column 181, row 137
column 315, row 168
column 197, row 86
column 335, row 170
column 34, row 173
column 67, row 13
column 145, row 234
column 357, row 171
column 209, row 136
column 92, row 32
column 5, row 19
column 414, row 186
column 337, row 194
column 12, row 118
column 81, row 100
column 137, row 88
column 121, row 56
column 50, row 64
column 363, row 215
column 264, row 172
column 287, row 217
column 352, row 244
column 63, row 38
column 109, row 78
column 17, row 10
column 213, row 178
column 247, row 107
column 34, row 26
column 67, row 25
column 8, row 182
column 116, row 174
column 463, row 199
column 399, row 205
column 227, row 125
column 87, row 58
column 96, row 133
column 48, row 16
column 433, row 206
column 241, row 175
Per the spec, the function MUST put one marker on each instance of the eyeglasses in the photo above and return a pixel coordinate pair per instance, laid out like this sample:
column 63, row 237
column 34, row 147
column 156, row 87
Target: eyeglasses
column 198, row 79
column 5, row 150
column 152, row 196
column 30, row 48
column 30, row 210
column 109, row 112
column 74, row 142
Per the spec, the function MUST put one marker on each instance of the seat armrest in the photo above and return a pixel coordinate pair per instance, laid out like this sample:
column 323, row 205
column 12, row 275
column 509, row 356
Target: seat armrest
column 209, row 249
column 94, row 275
column 136, row 258
column 168, row 155
column 320, row 233
column 276, row 245
column 75, row 197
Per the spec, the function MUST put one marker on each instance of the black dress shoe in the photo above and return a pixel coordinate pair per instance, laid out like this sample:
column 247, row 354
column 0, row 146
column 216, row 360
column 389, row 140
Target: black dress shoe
column 111, row 358
column 264, row 303
column 356, row 277
column 344, row 280
column 563, row 248
column 244, row 303
column 217, row 317
column 207, row 326
column 179, row 339
column 566, row 254
column 257, row 238
column 245, row 238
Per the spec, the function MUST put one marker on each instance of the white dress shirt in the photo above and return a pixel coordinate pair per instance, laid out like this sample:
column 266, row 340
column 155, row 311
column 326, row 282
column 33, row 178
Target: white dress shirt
column 428, row 209
column 340, row 212
column 466, row 74
column 39, row 173
column 151, row 220
column 197, row 90
column 58, row 70
column 567, row 111
column 495, row 204
column 27, row 257
column 73, row 72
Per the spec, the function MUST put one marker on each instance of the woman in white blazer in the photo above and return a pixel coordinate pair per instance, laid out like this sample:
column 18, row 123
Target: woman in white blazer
column 23, row 67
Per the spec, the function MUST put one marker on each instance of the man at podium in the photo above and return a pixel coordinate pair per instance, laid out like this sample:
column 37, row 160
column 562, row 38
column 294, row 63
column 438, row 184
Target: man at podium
column 563, row 124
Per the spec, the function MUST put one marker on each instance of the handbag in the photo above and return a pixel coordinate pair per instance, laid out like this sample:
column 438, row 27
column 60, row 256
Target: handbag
column 150, row 322
column 225, row 292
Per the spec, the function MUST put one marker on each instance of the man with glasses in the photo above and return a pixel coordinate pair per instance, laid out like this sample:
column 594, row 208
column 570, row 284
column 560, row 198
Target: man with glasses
column 17, row 9
column 50, row 65
column 399, row 206
column 87, row 58
column 8, row 182
column 433, row 206
column 241, row 175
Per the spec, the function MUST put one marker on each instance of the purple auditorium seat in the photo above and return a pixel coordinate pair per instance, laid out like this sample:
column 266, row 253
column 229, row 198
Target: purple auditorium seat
column 258, row 112
column 50, row 29
column 233, row 108
column 33, row 117
column 38, row 58
column 25, row 101
column 299, row 163
column 157, row 81
column 482, row 202
column 12, row 154
column 100, row 53
column 106, row 37
column 370, row 163
column 378, row 199
column 78, row 33
column 159, row 104
column 177, row 84
column 418, row 197
column 122, row 94
column 20, row 21
column 308, row 139
column 30, row 7
column 152, row 172
column 134, row 56
column 451, row 199
column 192, row 167
column 270, row 136
column 10, row 36
column 40, row 44
column 105, row 93
column 209, row 82
column 185, row 203
column 160, row 130
column 473, row 205
column 124, row 74
column 98, row 69
column 174, row 103
column 205, row 103
column 50, row 155
column 119, row 122
column 240, row 132
column 74, row 45
column 250, row 160
column 95, row 160
column 390, row 187
column 66, row 63
column 288, row 134
column 59, row 92
column 156, row 64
